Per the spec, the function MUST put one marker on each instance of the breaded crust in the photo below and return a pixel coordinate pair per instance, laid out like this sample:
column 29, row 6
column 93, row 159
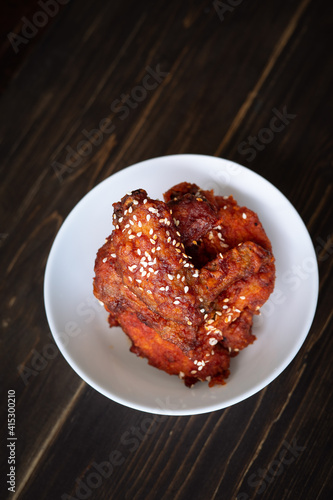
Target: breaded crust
column 183, row 277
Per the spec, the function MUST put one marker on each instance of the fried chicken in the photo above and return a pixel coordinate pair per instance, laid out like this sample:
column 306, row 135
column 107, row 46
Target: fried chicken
column 183, row 278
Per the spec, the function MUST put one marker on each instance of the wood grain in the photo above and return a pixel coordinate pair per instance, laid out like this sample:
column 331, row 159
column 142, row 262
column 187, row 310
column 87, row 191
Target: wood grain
column 221, row 82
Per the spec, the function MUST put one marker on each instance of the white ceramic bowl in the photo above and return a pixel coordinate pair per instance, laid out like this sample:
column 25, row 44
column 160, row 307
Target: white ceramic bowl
column 101, row 356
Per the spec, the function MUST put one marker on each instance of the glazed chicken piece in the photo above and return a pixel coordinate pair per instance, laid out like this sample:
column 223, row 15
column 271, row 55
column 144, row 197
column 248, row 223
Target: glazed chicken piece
column 181, row 282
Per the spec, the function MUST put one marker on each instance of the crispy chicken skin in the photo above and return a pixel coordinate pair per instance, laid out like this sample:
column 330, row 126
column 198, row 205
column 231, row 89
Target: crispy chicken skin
column 183, row 277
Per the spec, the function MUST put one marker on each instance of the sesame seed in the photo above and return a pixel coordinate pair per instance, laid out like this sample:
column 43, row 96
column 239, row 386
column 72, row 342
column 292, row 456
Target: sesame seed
column 151, row 231
column 196, row 274
column 181, row 374
column 186, row 289
column 135, row 202
column 139, row 234
column 193, row 372
column 140, row 223
column 145, row 201
column 105, row 259
column 150, row 292
column 152, row 241
column 170, row 277
column 244, row 215
column 189, row 322
column 113, row 255
column 138, row 251
column 135, row 217
column 176, row 302
column 130, row 210
column 242, row 297
column 131, row 222
column 212, row 341
column 131, row 236
column 139, row 281
column 225, row 300
column 120, row 219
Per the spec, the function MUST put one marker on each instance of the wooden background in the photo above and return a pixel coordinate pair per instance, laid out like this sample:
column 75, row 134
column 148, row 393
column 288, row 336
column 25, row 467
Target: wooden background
column 225, row 67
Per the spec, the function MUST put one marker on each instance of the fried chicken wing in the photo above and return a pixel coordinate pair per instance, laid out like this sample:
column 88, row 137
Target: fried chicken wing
column 183, row 277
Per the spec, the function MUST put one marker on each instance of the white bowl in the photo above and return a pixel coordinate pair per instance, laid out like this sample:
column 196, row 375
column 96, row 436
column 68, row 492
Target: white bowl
column 100, row 355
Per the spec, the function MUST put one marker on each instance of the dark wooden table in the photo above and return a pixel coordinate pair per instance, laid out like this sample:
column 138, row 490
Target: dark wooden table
column 223, row 69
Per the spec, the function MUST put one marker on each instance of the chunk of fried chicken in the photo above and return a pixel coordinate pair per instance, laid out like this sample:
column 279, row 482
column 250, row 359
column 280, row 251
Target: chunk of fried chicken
column 182, row 292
